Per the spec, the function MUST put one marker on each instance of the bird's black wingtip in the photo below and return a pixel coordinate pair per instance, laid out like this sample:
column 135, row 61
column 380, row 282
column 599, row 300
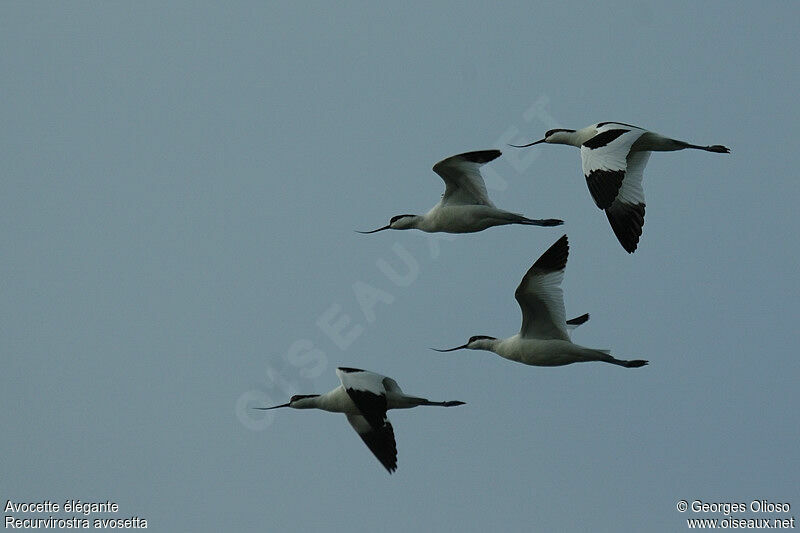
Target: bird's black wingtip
column 555, row 257
column 627, row 221
column 578, row 320
column 481, row 156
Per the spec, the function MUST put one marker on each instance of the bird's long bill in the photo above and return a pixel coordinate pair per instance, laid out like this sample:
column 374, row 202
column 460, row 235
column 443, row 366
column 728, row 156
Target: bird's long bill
column 450, row 349
column 273, row 407
column 388, row 226
column 526, row 145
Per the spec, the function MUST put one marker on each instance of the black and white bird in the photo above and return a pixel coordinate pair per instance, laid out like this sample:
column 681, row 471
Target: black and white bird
column 614, row 155
column 465, row 206
column 364, row 397
column 543, row 339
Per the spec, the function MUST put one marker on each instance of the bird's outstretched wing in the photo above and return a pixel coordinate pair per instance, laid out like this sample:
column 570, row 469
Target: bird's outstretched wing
column 464, row 183
column 368, row 392
column 540, row 296
column 605, row 160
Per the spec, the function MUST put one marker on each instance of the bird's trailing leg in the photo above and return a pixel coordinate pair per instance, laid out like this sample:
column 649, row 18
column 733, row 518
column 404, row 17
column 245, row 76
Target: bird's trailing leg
column 451, row 403
column 636, row 363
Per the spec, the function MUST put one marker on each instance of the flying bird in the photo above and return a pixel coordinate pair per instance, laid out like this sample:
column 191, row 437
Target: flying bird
column 364, row 397
column 465, row 206
column 614, row 155
column 543, row 339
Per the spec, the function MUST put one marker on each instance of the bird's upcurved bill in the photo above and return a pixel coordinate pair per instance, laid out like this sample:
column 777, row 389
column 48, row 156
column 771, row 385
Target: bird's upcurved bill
column 450, row 349
column 273, row 407
column 526, row 145
column 389, row 226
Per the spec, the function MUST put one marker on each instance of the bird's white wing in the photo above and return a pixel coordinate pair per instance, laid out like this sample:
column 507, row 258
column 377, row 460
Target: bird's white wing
column 361, row 379
column 461, row 173
column 380, row 441
column 367, row 391
column 626, row 212
column 604, row 159
column 540, row 296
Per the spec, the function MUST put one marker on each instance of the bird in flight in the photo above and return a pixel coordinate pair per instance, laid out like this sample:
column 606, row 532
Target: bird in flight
column 543, row 339
column 465, row 206
column 614, row 155
column 364, row 397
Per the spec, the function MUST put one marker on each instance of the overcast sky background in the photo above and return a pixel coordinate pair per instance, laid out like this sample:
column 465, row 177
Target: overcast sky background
column 179, row 191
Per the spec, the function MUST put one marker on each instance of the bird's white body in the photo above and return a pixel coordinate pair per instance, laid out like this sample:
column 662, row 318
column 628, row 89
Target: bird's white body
column 541, row 352
column 364, row 397
column 543, row 339
column 640, row 139
column 613, row 156
column 339, row 401
column 463, row 218
column 465, row 206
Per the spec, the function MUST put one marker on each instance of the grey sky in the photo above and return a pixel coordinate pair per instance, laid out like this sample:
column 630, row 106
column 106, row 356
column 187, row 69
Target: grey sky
column 180, row 188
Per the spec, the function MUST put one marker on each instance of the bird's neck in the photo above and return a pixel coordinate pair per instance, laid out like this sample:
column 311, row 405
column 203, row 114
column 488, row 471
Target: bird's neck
column 486, row 344
column 573, row 138
column 506, row 348
column 409, row 222
column 334, row 401
column 312, row 402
